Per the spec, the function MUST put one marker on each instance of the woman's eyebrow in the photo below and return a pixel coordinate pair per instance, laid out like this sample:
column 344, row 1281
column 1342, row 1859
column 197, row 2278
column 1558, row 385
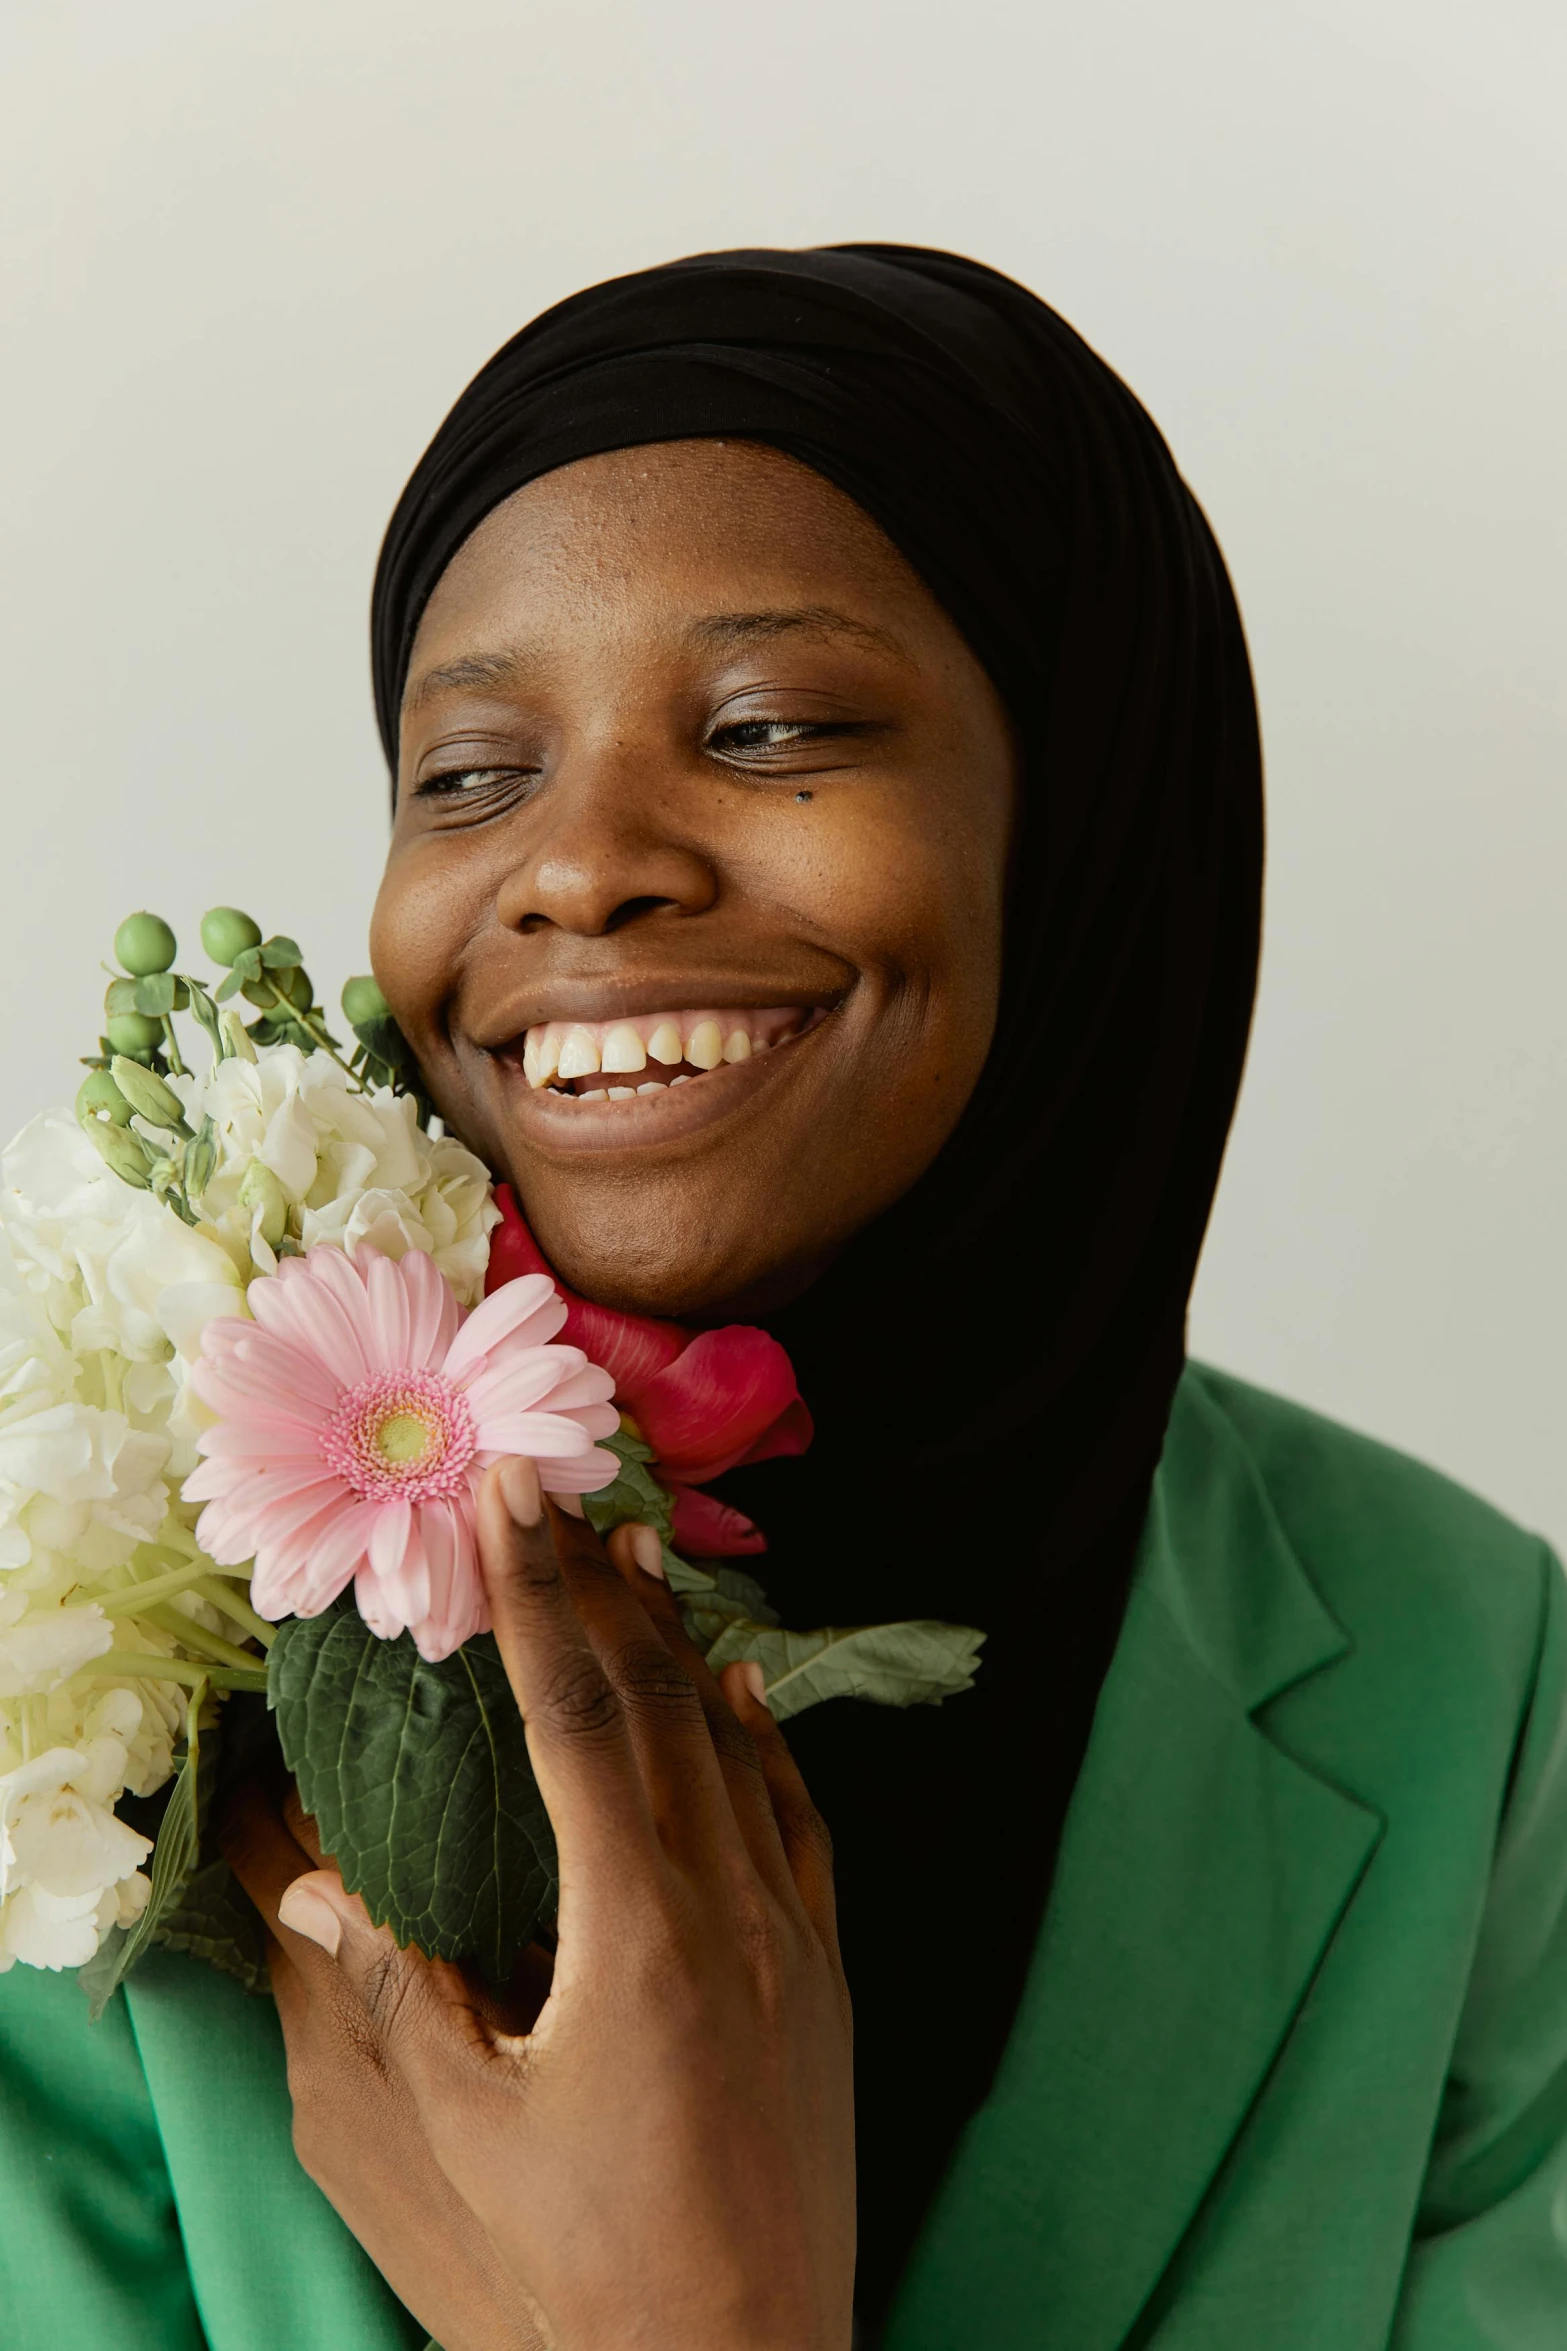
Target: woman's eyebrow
column 471, row 669
column 738, row 628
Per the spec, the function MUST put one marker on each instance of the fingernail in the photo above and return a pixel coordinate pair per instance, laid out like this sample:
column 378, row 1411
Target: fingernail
column 304, row 1910
column 755, row 1680
column 520, row 1491
column 648, row 1552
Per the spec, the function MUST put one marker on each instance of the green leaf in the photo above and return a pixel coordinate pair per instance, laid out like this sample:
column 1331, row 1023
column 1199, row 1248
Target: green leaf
column 119, row 997
column 634, row 1494
column 173, row 1860
column 154, row 995
column 205, row 1014
column 201, row 1160
column 214, row 1919
column 914, row 1664
column 228, row 986
column 709, row 1604
column 419, row 1781
column 277, row 954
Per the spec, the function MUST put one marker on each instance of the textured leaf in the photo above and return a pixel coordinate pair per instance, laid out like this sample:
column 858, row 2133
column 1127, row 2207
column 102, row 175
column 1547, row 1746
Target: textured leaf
column 419, row 1781
column 634, row 1494
column 913, row 1664
column 215, row 1919
column 278, row 954
column 709, row 1604
column 154, row 995
column 173, row 1860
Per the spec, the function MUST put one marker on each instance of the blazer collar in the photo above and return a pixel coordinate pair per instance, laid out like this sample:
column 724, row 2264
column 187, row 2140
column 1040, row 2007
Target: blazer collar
column 1202, row 1874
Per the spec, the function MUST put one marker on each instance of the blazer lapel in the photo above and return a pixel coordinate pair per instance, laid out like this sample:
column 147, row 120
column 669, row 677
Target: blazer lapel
column 1201, row 1877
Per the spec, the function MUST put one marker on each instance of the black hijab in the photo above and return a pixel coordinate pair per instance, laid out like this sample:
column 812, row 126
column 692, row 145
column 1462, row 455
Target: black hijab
column 1006, row 1342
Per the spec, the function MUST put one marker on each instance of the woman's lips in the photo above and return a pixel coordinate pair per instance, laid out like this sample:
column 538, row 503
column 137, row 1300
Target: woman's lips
column 695, row 1067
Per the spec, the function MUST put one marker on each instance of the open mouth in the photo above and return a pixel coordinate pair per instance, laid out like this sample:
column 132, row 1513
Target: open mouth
column 618, row 1060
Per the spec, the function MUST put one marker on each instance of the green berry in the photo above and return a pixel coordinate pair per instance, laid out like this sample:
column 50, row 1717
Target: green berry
column 134, row 1033
column 226, row 934
column 99, row 1098
column 364, row 1004
column 144, row 944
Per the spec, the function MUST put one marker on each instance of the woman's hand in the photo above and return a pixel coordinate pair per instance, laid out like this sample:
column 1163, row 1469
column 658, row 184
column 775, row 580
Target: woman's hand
column 665, row 2156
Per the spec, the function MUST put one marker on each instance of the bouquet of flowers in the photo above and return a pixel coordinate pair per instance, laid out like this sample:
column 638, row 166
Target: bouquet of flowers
column 263, row 1325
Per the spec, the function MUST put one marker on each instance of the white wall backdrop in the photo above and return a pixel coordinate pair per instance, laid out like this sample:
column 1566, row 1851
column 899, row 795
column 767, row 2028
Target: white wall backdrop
column 252, row 249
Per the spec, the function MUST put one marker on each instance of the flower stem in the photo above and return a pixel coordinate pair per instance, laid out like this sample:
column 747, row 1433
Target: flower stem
column 139, row 1665
column 314, row 1028
column 173, row 1043
column 135, row 1599
column 236, row 1609
column 195, row 1636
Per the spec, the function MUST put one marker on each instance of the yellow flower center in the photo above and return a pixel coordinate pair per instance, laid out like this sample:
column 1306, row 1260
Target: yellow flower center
column 403, row 1436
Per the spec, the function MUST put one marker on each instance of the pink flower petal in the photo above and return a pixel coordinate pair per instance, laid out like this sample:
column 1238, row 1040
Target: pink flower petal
column 515, row 1383
column 316, row 1319
column 434, row 1314
column 528, row 1308
column 388, row 1320
column 256, row 1363
column 630, row 1346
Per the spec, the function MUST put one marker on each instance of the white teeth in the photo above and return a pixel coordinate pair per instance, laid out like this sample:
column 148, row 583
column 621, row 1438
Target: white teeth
column 546, row 1053
column 655, row 1086
column 680, row 1081
column 579, row 1055
column 664, row 1044
column 705, row 1045
column 530, row 1060
column 622, row 1049
column 737, row 1046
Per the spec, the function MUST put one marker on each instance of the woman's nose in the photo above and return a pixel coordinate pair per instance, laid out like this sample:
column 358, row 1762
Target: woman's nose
column 603, row 847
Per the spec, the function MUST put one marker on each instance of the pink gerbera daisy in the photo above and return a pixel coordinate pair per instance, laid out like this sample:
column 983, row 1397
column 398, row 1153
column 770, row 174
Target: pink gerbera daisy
column 357, row 1413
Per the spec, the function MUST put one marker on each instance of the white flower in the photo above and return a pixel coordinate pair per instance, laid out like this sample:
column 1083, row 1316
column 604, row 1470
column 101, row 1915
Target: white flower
column 65, row 1860
column 42, row 1648
column 118, row 1268
column 355, row 1168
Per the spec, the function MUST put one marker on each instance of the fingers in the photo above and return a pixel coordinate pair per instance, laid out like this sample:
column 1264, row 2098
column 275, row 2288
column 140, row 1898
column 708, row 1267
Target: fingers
column 638, row 1555
column 801, row 1828
column 578, row 1739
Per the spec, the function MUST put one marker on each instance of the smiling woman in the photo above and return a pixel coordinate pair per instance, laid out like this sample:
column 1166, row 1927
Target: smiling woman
column 825, row 885
column 720, row 809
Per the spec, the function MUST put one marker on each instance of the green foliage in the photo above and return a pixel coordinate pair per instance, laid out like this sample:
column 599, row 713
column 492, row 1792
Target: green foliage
column 635, row 1494
column 214, row 1919
column 913, row 1664
column 173, row 1860
column 419, row 1781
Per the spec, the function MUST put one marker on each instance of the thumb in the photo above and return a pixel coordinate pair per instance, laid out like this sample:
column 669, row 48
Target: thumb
column 319, row 1907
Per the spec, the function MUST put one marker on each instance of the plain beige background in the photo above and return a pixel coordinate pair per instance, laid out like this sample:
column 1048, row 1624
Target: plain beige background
column 252, row 251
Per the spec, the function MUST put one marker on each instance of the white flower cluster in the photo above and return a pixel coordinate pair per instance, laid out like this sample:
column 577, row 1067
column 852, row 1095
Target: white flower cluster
column 104, row 1295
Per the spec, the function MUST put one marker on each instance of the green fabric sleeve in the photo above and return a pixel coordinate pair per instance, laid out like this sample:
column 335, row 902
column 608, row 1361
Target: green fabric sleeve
column 1488, row 2267
column 90, row 2249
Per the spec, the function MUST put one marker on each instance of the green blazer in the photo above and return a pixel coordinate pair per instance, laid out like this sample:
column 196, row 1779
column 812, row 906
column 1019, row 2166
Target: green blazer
column 1291, row 2066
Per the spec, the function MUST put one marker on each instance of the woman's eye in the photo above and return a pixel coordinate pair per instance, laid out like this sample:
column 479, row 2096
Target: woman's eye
column 470, row 783
column 768, row 734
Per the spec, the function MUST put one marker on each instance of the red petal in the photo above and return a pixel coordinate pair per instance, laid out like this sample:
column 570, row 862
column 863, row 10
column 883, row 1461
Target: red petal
column 790, row 1433
column 722, row 1396
column 705, row 1528
column 631, row 1347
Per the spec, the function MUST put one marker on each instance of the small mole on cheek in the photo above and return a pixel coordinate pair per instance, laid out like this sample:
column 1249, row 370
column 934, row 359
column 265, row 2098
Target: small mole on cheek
column 802, row 795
